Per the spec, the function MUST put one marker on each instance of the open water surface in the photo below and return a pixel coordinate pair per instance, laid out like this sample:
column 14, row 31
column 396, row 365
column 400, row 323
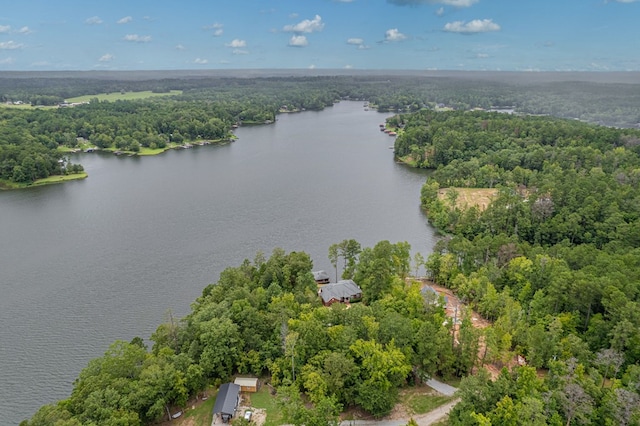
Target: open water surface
column 85, row 263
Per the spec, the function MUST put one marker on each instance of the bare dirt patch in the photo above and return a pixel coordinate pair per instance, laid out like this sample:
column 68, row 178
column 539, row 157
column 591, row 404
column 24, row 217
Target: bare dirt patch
column 453, row 309
column 470, row 197
column 454, row 306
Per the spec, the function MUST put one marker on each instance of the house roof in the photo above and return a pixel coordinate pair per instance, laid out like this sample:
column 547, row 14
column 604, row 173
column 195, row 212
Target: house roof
column 320, row 275
column 227, row 399
column 339, row 290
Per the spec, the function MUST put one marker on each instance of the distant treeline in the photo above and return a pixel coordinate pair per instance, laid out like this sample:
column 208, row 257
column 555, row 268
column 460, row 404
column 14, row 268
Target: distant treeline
column 612, row 104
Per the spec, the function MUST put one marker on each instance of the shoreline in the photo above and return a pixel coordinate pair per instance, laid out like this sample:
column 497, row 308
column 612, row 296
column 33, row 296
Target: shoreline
column 53, row 179
column 145, row 152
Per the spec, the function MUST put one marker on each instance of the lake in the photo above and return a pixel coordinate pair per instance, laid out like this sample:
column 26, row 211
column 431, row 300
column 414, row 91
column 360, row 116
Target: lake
column 87, row 262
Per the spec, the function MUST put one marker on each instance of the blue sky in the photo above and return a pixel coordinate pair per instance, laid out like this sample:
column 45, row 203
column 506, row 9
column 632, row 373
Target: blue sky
column 507, row 35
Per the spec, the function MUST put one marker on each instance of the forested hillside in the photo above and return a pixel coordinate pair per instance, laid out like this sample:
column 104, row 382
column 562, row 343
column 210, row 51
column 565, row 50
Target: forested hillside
column 553, row 260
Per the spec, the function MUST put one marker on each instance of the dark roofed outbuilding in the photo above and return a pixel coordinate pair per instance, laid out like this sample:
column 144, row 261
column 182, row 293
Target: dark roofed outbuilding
column 227, row 401
column 321, row 277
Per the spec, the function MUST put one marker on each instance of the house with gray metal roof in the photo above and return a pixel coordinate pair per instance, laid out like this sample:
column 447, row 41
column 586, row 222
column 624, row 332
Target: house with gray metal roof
column 227, row 401
column 344, row 291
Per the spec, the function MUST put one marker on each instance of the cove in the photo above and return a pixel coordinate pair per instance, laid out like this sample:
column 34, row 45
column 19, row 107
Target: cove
column 87, row 262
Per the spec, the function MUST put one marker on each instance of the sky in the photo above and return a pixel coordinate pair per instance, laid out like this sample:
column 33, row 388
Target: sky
column 493, row 35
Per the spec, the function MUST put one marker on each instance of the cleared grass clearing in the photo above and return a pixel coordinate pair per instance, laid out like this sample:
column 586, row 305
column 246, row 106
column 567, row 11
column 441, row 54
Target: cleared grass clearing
column 469, row 197
column 420, row 403
column 263, row 399
column 117, row 96
column 26, row 106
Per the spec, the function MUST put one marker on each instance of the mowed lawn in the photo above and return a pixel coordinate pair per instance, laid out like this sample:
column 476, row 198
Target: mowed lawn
column 263, row 399
column 117, row 96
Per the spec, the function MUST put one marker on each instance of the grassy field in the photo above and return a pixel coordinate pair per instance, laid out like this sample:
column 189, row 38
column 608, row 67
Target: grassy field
column 116, row 96
column 419, row 403
column 47, row 181
column 469, row 197
column 25, row 106
column 111, row 97
column 202, row 415
column 263, row 399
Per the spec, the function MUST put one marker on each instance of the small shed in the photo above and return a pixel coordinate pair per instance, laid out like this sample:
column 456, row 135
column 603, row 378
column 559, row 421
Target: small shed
column 321, row 277
column 344, row 291
column 247, row 384
column 227, row 401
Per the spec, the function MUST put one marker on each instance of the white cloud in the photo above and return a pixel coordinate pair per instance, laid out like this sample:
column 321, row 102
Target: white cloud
column 236, row 43
column 454, row 3
column 24, row 30
column 107, row 57
column 394, row 35
column 200, row 61
column 482, row 55
column 312, row 67
column 298, row 41
column 218, row 29
column 180, row 47
column 5, row 29
column 240, row 52
column 626, row 1
column 358, row 42
column 6, row 61
column 440, row 11
column 472, row 27
column 94, row 20
column 306, row 26
column 10, row 45
column 125, row 20
column 348, row 67
column 137, row 38
column 459, row 3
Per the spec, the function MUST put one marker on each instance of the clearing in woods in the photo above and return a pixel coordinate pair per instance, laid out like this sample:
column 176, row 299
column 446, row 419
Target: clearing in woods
column 469, row 197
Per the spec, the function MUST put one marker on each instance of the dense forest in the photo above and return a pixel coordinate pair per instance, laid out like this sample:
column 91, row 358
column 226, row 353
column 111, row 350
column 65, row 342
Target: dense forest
column 553, row 260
